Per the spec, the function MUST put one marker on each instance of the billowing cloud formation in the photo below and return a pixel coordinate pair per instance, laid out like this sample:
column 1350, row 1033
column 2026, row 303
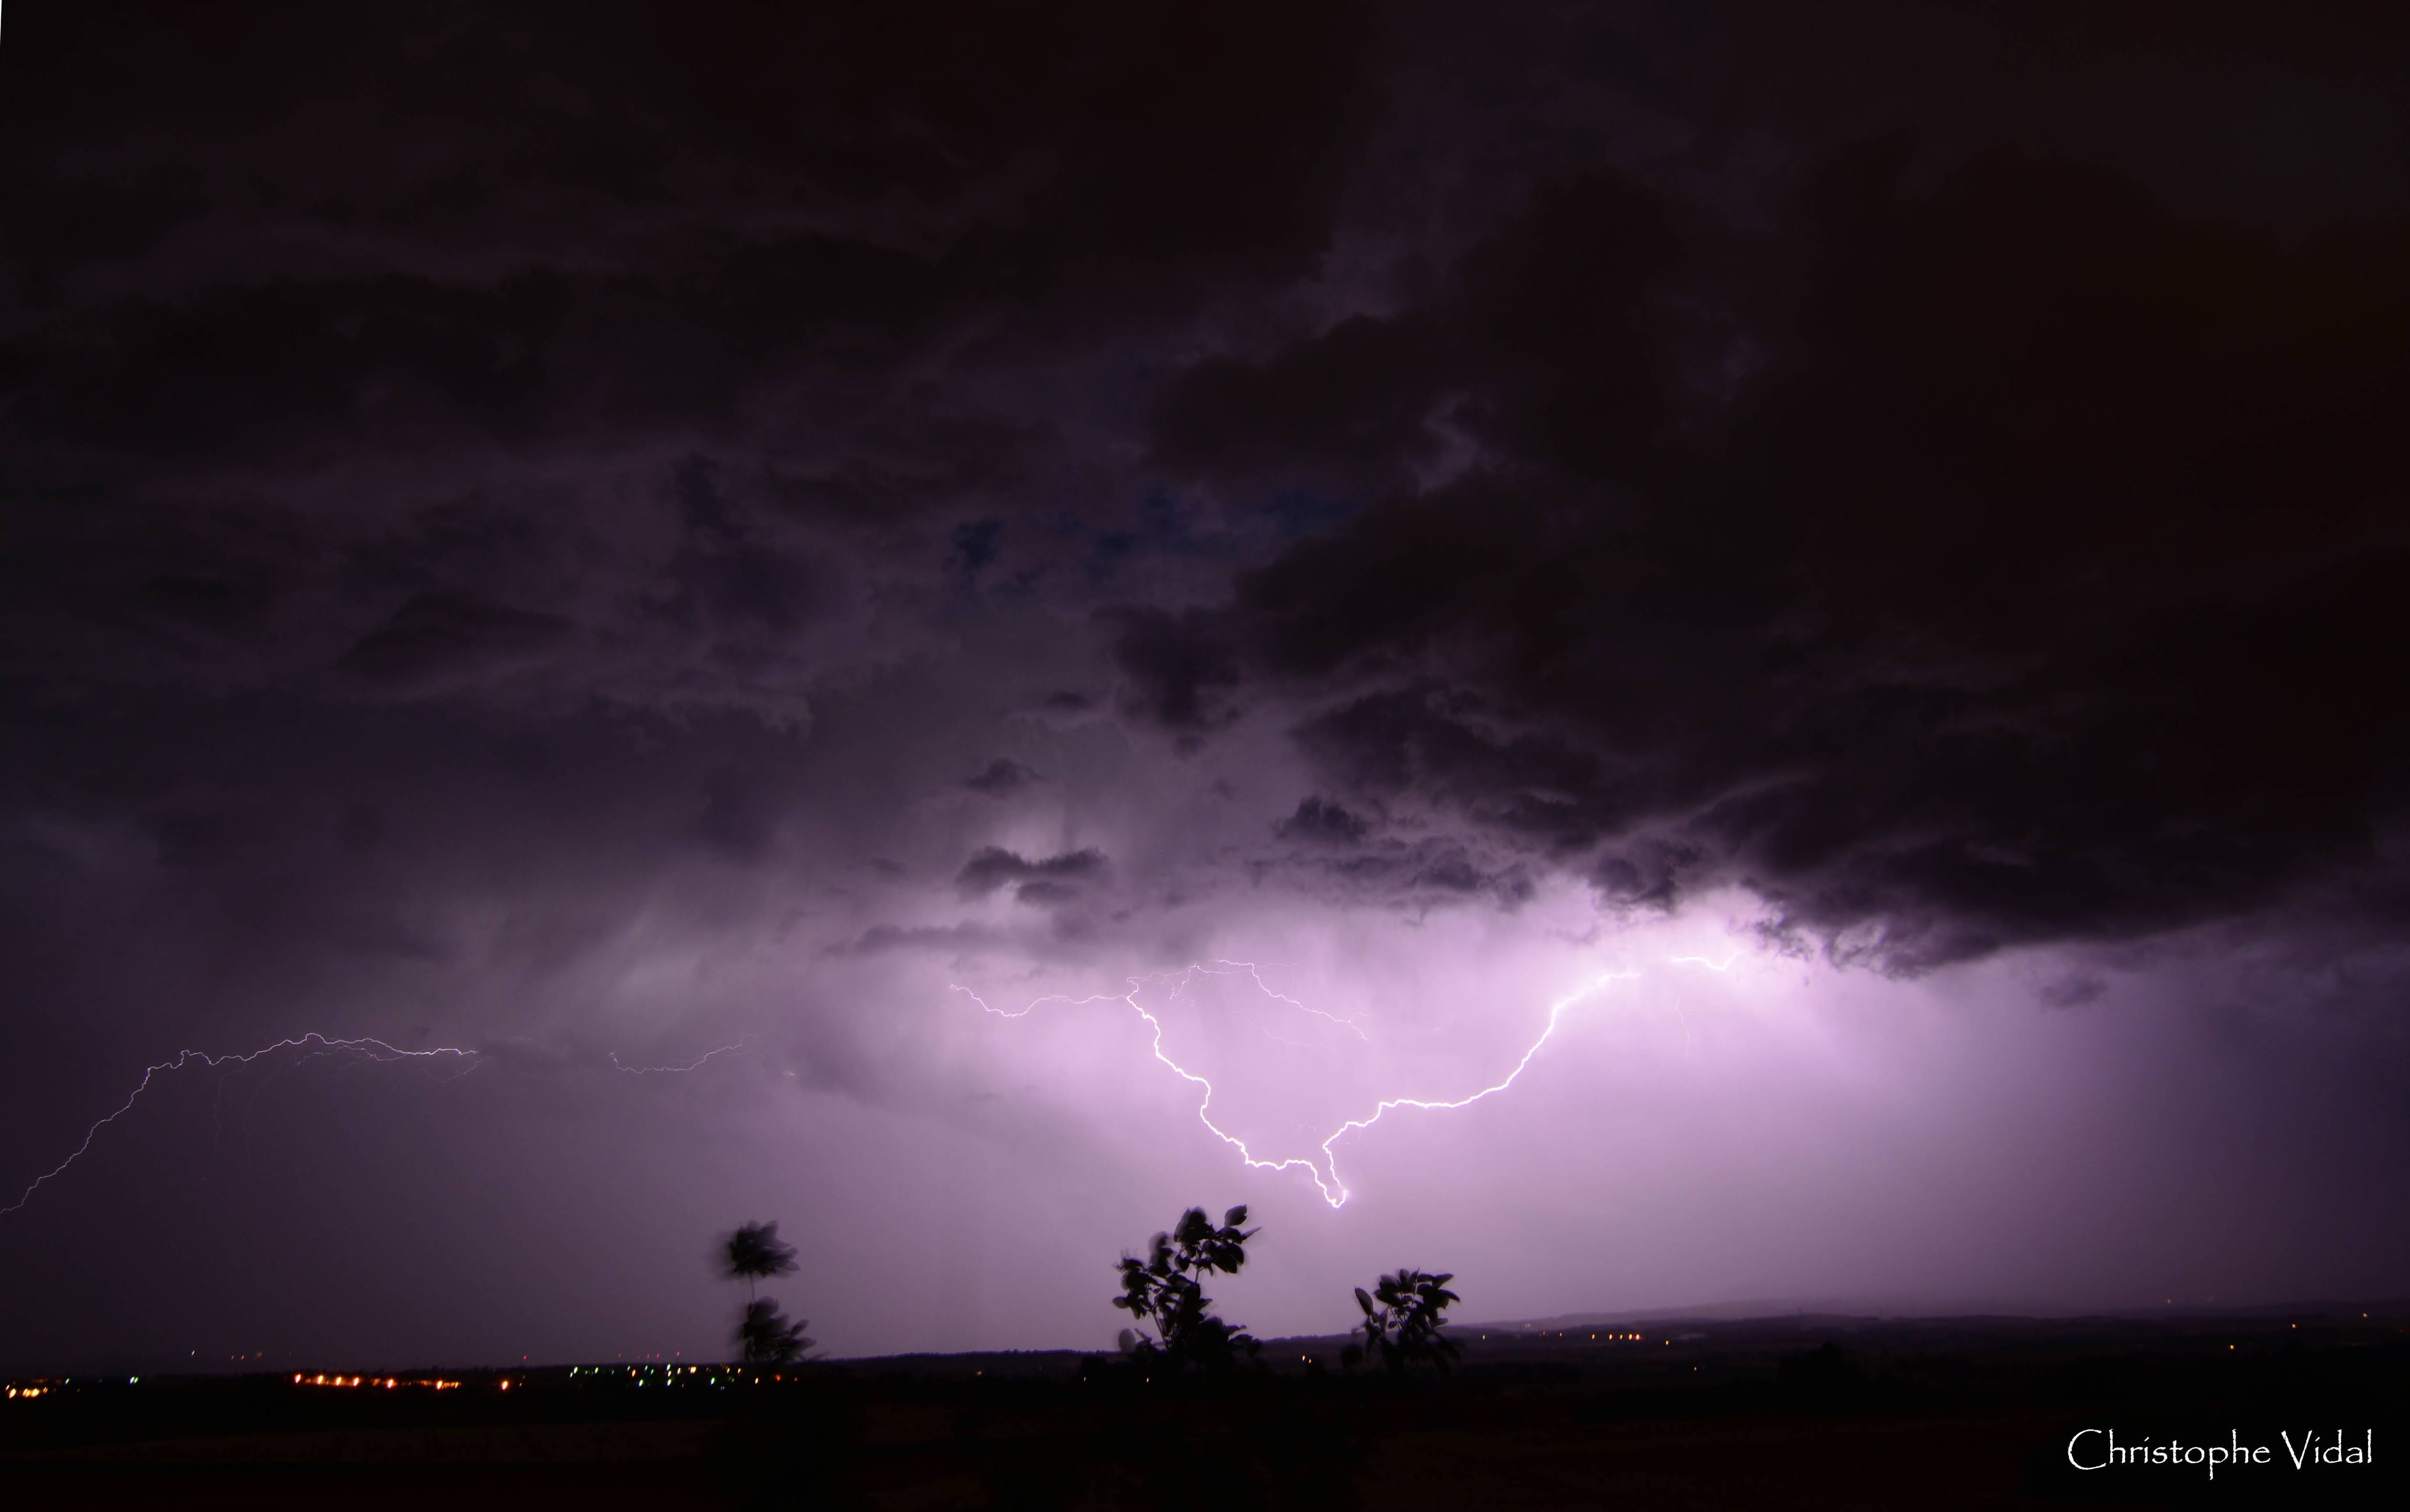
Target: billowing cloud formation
column 579, row 352
column 1001, row 778
column 2000, row 559
column 634, row 531
column 1050, row 879
column 1317, row 823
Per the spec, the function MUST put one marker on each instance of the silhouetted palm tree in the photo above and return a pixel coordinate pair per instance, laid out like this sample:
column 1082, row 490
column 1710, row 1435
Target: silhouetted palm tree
column 767, row 1336
column 753, row 1252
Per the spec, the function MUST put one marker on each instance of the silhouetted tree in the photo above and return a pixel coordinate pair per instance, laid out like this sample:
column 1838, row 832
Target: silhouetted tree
column 753, row 1253
column 1403, row 1318
column 1165, row 1291
column 767, row 1336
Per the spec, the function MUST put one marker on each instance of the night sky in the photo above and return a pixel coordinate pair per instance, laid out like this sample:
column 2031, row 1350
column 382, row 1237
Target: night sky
column 1838, row 569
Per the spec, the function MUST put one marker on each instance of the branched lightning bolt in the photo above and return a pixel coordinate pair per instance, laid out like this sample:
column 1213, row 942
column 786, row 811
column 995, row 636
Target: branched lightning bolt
column 1335, row 1191
column 1724, row 965
column 1556, row 1013
column 318, row 1044
column 651, row 1071
column 1205, row 1105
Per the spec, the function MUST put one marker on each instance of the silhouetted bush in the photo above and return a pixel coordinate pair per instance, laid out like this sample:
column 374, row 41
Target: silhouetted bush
column 1165, row 1291
column 1403, row 1318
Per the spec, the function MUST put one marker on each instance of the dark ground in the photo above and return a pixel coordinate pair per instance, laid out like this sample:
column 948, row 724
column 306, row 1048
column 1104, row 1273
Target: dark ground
column 1792, row 1412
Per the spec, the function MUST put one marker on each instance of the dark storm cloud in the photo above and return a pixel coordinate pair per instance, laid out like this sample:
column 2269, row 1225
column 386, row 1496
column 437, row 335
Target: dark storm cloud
column 438, row 637
column 882, row 937
column 1319, row 823
column 1964, row 542
column 1176, row 669
column 1998, row 559
column 1339, row 855
column 1353, row 403
column 1050, row 879
column 725, row 577
column 1001, row 778
column 739, row 818
column 641, row 288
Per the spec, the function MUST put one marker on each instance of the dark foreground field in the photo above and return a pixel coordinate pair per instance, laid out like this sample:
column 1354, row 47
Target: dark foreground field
column 1799, row 1412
